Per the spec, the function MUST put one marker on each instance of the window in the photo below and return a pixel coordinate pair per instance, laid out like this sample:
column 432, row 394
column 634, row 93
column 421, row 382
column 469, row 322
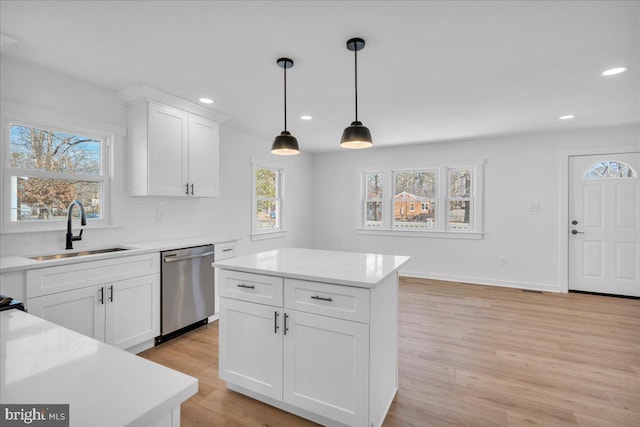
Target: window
column 610, row 169
column 460, row 201
column 267, row 200
column 413, row 187
column 374, row 184
column 47, row 169
column 440, row 200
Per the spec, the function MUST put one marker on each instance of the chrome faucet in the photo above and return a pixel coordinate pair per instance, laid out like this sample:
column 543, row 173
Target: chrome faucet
column 83, row 221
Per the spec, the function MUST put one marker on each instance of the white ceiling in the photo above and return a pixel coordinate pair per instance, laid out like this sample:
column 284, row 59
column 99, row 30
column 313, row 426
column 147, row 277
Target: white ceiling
column 430, row 71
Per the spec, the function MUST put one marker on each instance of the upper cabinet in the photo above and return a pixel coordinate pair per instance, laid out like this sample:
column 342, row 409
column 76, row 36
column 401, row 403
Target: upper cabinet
column 172, row 152
column 173, row 146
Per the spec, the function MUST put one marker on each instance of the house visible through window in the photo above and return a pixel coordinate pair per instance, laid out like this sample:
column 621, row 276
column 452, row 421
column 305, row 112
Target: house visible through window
column 439, row 199
column 48, row 169
column 411, row 188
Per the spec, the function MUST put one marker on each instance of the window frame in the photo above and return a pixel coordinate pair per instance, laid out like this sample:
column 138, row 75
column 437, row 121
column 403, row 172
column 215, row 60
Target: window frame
column 105, row 178
column 366, row 200
column 441, row 200
column 280, row 231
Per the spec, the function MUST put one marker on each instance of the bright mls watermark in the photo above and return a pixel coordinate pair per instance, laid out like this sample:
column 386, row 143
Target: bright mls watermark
column 34, row 415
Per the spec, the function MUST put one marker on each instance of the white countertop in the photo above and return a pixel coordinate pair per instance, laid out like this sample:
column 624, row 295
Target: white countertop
column 344, row 268
column 18, row 263
column 42, row 363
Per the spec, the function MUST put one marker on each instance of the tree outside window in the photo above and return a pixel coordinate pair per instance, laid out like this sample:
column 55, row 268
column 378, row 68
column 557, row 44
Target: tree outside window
column 48, row 169
column 267, row 200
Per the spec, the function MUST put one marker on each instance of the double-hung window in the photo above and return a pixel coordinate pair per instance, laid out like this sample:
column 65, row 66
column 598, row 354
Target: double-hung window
column 46, row 169
column 267, row 201
column 438, row 200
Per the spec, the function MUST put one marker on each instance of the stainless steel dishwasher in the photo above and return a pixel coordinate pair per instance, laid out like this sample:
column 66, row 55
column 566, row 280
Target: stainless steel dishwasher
column 187, row 290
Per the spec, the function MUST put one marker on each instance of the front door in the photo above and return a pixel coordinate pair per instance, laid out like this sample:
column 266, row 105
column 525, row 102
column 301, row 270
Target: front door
column 604, row 224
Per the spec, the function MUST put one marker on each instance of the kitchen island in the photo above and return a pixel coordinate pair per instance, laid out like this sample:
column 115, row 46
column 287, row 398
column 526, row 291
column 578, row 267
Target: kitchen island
column 44, row 364
column 312, row 332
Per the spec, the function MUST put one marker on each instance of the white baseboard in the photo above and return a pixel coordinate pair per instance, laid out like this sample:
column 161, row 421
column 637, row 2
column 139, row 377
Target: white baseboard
column 480, row 281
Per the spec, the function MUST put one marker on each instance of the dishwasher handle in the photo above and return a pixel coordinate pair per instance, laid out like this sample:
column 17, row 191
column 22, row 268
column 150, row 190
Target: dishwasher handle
column 174, row 258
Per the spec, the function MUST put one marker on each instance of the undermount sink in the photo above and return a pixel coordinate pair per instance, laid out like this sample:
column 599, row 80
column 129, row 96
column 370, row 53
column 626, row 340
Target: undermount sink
column 77, row 254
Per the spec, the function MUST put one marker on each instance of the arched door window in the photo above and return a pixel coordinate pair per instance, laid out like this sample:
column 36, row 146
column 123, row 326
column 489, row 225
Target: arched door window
column 610, row 169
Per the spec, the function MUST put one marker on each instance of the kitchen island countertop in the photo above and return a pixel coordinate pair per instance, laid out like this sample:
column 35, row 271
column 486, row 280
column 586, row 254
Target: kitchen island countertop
column 43, row 363
column 364, row 270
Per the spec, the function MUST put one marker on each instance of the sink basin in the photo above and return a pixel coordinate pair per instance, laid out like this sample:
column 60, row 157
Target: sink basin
column 77, row 254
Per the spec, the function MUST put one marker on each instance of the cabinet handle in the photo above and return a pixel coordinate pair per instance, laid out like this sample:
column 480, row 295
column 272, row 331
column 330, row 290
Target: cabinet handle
column 286, row 328
column 275, row 322
column 322, row 298
column 242, row 285
column 111, row 293
column 227, row 249
column 192, row 189
column 101, row 295
column 187, row 185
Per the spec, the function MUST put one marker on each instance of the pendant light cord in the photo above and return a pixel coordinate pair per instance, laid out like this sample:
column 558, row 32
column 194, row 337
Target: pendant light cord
column 355, row 52
column 285, row 97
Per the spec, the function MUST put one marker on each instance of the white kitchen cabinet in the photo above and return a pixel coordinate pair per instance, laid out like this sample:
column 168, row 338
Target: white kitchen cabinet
column 132, row 311
column 294, row 343
column 123, row 313
column 172, row 152
column 252, row 355
column 326, row 366
column 81, row 310
column 114, row 300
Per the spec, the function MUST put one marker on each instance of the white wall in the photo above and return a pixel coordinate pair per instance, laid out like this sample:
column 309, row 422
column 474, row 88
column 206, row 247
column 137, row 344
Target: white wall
column 519, row 170
column 227, row 216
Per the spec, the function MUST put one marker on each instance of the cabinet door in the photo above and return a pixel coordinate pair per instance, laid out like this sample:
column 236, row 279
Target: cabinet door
column 251, row 346
column 204, row 161
column 81, row 310
column 168, row 150
column 132, row 311
column 326, row 367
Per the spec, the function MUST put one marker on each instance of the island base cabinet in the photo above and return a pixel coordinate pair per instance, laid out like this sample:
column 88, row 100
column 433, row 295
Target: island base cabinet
column 251, row 346
column 326, row 367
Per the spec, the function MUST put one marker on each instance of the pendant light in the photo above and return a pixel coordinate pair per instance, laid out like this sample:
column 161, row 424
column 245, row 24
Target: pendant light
column 285, row 144
column 356, row 135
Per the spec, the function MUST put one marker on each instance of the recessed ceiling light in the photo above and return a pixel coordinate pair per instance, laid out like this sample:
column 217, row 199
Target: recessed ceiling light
column 206, row 100
column 568, row 117
column 614, row 71
column 306, row 117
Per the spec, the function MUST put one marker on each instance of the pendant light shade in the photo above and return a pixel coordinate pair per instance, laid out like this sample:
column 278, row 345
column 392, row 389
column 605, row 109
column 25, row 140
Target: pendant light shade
column 357, row 135
column 285, row 144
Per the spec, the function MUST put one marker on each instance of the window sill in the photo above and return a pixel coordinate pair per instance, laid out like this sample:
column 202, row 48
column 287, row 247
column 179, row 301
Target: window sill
column 429, row 234
column 264, row 235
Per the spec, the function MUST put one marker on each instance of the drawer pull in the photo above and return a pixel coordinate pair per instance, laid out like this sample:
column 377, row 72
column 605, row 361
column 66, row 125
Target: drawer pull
column 242, row 285
column 227, row 249
column 322, row 298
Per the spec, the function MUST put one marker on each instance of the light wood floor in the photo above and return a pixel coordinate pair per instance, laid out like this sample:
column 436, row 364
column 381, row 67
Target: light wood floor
column 469, row 355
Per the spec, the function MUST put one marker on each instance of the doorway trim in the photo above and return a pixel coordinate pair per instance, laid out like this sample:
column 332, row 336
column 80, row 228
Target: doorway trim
column 563, row 229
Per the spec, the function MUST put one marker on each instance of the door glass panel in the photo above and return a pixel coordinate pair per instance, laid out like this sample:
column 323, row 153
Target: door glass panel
column 610, row 169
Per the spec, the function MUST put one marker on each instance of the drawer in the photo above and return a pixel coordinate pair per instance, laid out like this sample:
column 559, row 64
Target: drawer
column 343, row 302
column 50, row 280
column 251, row 287
column 225, row 250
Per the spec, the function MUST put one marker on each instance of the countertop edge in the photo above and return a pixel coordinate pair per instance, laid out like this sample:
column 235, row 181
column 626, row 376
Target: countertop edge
column 313, row 278
column 14, row 263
